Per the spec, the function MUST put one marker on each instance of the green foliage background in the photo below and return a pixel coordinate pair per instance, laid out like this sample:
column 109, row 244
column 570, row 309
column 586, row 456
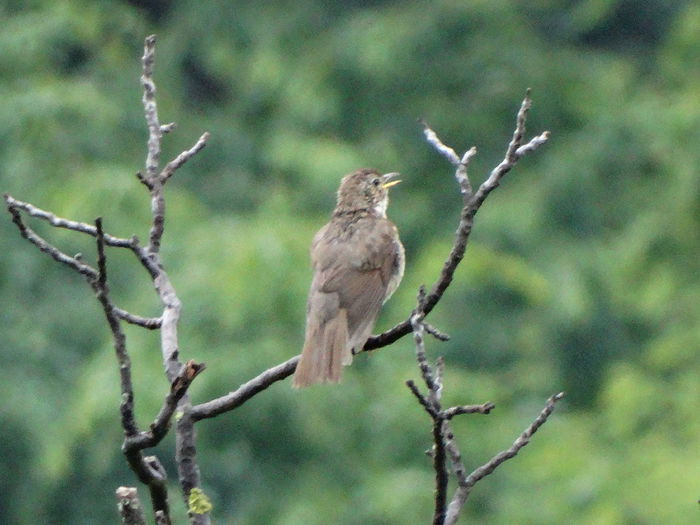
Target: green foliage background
column 582, row 274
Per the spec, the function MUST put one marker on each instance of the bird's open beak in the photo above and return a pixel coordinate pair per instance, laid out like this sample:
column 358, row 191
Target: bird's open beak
column 387, row 182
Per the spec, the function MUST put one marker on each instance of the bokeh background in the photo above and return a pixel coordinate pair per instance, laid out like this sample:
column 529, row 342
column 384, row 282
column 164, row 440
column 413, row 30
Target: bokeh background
column 581, row 274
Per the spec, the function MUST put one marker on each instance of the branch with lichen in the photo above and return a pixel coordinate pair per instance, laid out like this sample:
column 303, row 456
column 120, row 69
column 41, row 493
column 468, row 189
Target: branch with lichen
column 148, row 469
column 180, row 375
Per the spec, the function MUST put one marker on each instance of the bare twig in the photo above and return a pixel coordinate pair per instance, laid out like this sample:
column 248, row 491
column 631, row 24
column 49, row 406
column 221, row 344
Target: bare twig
column 437, row 334
column 151, row 323
column 60, row 222
column 484, row 408
column 431, row 403
column 151, row 109
column 466, row 484
column 81, row 227
column 188, row 471
column 247, row 390
column 183, row 157
column 149, row 469
column 25, row 231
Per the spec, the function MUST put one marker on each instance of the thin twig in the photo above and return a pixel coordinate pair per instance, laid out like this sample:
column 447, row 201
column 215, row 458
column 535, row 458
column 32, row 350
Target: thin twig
column 25, row 231
column 437, row 334
column 183, row 157
column 425, row 403
column 484, row 408
column 60, row 222
column 81, row 227
column 150, row 323
column 467, row 484
column 102, row 292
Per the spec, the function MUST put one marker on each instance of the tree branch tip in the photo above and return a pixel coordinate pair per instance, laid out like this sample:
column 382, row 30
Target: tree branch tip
column 437, row 334
column 468, row 155
column 194, row 369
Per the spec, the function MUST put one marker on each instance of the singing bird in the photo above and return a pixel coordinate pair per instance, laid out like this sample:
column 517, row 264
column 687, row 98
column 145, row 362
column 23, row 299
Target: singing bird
column 358, row 262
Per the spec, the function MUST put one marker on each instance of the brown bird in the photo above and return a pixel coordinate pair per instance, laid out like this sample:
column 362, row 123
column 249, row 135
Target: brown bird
column 358, row 261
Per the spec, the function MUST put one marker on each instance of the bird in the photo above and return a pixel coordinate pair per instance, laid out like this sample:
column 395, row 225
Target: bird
column 358, row 262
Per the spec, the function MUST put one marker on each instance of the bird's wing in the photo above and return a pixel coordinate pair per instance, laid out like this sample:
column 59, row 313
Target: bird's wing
column 359, row 270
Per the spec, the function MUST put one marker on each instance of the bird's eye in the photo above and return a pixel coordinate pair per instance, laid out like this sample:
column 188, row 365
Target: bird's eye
column 376, row 182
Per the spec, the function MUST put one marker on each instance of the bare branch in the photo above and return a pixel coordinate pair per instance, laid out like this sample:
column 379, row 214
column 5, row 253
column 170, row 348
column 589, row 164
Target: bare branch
column 25, row 231
column 444, row 150
column 151, row 109
column 150, row 323
column 466, row 485
column 484, row 408
column 60, row 222
column 437, row 334
column 102, row 292
column 425, row 403
column 183, row 157
column 455, row 456
column 460, row 163
column 247, row 390
column 188, row 470
column 441, row 474
column 81, row 227
column 418, row 331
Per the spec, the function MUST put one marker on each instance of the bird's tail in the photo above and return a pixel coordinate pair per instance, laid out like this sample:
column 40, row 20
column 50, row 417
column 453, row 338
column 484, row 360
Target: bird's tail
column 326, row 351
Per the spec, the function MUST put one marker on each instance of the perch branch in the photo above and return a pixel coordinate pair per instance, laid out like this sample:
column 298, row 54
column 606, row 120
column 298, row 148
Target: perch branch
column 514, row 152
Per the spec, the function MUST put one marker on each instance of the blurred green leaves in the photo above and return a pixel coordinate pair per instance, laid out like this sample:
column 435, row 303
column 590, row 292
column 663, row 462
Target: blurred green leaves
column 581, row 274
